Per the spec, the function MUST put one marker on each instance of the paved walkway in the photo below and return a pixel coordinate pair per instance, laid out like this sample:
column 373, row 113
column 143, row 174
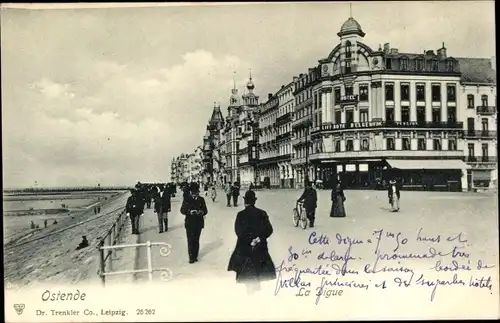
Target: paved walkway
column 475, row 214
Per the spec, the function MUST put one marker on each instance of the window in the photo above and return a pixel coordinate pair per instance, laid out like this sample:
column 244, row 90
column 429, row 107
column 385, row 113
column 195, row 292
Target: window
column 436, row 93
column 405, row 114
column 450, row 65
column 435, row 65
column 338, row 117
column 349, row 116
column 349, row 145
column 452, row 114
column 436, row 115
column 347, row 49
column 406, row 143
column 336, row 93
column 420, row 64
column 388, row 64
column 404, row 64
column 420, row 92
column 337, row 146
column 437, row 144
column 484, row 100
column 484, row 149
column 348, row 90
column 348, row 67
column 421, row 144
column 363, row 93
column 452, row 144
column 390, row 144
column 470, row 101
column 470, row 148
column 484, row 124
column 405, row 92
column 389, row 114
column 389, row 92
column 421, row 115
column 451, row 93
column 363, row 115
column 365, row 144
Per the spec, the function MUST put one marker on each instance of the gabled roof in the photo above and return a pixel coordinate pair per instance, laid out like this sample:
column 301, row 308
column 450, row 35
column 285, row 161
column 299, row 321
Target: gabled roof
column 476, row 70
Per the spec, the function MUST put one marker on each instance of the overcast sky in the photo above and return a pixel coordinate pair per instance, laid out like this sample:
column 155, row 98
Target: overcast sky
column 111, row 95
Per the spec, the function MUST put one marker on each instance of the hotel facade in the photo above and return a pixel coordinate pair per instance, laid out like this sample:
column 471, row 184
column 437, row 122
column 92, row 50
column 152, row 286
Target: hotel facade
column 366, row 115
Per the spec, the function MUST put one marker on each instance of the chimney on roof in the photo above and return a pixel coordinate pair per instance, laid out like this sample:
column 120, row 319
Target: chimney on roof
column 442, row 52
column 394, row 51
column 282, row 86
column 269, row 96
column 387, row 47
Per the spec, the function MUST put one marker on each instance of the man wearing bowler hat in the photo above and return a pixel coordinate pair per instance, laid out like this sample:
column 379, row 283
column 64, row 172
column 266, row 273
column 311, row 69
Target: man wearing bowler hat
column 195, row 209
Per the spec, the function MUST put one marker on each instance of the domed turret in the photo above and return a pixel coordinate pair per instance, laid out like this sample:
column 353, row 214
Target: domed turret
column 351, row 26
column 250, row 85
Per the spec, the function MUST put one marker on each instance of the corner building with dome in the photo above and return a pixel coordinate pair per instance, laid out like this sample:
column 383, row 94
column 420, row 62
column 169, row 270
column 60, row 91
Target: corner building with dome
column 362, row 114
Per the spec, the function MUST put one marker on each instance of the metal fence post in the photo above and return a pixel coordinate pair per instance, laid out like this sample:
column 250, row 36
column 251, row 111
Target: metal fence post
column 101, row 263
column 150, row 265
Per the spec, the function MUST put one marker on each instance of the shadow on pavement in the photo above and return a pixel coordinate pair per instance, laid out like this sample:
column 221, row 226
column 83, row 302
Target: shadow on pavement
column 211, row 247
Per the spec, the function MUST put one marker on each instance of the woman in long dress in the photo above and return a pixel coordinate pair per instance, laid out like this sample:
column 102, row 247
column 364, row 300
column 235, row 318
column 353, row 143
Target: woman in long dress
column 338, row 199
column 251, row 260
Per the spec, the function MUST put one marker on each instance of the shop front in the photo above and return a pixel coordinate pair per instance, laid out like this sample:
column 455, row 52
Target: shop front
column 354, row 174
column 428, row 174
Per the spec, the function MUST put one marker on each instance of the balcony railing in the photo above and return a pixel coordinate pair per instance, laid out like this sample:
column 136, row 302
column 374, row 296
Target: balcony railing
column 486, row 110
column 480, row 134
column 381, row 153
column 388, row 124
column 481, row 159
column 346, row 99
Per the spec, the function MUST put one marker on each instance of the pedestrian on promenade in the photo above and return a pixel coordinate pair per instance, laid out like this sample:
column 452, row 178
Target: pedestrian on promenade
column 338, row 199
column 229, row 190
column 45, row 222
column 236, row 193
column 95, row 209
column 195, row 209
column 134, row 209
column 205, row 190
column 310, row 199
column 98, row 209
column 213, row 194
column 250, row 259
column 162, row 207
column 394, row 195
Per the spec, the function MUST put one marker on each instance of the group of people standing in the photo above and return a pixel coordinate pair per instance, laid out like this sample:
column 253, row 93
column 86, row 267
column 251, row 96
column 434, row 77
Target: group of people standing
column 232, row 190
column 309, row 199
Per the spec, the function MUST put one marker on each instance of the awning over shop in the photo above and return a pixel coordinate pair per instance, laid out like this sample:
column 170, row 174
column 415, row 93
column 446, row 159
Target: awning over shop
column 427, row 163
column 481, row 175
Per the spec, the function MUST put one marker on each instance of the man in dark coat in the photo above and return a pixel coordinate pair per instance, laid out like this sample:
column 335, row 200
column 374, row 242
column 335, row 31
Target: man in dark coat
column 195, row 209
column 236, row 192
column 394, row 195
column 134, row 209
column 250, row 259
column 162, row 207
column 310, row 199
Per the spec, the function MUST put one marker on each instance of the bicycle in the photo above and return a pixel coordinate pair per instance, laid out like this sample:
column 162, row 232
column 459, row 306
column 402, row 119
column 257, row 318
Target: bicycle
column 299, row 215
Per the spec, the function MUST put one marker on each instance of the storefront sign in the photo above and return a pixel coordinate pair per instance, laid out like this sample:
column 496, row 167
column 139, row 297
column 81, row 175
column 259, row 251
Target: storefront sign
column 363, row 167
column 350, row 168
column 339, row 169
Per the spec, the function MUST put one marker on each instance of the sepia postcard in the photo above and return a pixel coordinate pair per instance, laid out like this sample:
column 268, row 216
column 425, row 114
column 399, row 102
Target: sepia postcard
column 254, row 161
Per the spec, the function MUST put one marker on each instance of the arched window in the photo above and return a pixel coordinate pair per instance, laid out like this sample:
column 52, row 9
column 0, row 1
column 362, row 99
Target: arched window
column 347, row 49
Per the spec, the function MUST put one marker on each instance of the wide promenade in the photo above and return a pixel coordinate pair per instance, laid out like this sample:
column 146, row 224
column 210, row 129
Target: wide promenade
column 435, row 213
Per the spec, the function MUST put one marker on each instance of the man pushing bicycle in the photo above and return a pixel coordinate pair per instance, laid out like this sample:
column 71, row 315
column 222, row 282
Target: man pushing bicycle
column 309, row 199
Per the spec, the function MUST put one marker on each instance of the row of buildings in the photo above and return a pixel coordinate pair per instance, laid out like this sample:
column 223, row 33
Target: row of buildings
column 358, row 114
